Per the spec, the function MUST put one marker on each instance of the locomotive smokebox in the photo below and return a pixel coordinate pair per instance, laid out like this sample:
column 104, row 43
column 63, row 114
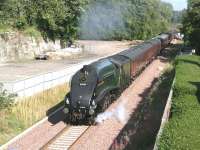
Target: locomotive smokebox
column 82, row 88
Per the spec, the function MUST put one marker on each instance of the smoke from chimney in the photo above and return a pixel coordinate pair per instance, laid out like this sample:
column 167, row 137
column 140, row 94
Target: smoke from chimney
column 102, row 20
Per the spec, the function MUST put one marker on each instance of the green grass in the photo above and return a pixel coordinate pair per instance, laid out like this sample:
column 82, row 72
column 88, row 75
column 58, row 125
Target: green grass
column 182, row 132
column 5, row 28
column 28, row 111
column 28, row 30
column 32, row 31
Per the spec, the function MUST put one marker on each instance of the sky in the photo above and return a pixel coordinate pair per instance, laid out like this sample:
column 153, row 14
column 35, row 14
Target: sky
column 178, row 4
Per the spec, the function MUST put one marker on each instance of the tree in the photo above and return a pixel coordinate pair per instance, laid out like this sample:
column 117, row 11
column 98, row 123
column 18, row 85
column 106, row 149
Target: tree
column 89, row 19
column 191, row 25
column 58, row 19
column 178, row 16
column 12, row 12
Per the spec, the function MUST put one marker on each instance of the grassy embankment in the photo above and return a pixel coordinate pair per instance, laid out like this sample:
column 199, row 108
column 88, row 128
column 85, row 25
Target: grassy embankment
column 28, row 31
column 28, row 111
column 182, row 130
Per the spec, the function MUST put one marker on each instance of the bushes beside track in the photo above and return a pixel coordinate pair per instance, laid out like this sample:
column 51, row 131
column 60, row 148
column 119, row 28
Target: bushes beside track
column 22, row 114
column 183, row 129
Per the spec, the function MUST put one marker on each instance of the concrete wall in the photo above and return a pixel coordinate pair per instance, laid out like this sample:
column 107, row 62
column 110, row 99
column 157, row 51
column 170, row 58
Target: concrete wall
column 39, row 83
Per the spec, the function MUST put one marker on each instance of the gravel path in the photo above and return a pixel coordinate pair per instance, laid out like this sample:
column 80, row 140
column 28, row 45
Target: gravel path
column 42, row 134
column 102, row 136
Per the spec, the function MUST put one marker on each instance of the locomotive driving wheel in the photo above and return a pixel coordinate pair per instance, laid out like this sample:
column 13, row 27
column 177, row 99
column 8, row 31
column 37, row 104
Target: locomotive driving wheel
column 103, row 105
column 115, row 94
column 106, row 102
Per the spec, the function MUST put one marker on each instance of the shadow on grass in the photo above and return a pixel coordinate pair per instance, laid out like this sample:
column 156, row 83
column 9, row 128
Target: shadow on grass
column 141, row 129
column 197, row 84
column 190, row 61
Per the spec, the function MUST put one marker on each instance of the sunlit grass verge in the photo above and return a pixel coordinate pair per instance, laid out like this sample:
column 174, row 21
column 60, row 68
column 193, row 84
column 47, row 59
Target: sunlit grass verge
column 28, row 111
column 5, row 28
column 182, row 130
column 32, row 31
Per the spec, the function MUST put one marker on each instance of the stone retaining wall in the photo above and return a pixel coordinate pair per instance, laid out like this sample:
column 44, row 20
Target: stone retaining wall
column 17, row 46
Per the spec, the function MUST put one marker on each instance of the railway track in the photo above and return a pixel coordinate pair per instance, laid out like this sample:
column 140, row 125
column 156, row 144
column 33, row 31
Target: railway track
column 66, row 138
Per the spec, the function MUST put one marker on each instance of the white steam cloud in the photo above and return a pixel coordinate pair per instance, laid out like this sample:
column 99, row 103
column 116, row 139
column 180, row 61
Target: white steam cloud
column 102, row 19
column 160, row 68
column 119, row 113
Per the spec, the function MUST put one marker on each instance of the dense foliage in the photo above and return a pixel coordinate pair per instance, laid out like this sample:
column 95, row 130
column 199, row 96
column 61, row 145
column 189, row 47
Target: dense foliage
column 182, row 130
column 89, row 19
column 178, row 16
column 191, row 25
column 55, row 19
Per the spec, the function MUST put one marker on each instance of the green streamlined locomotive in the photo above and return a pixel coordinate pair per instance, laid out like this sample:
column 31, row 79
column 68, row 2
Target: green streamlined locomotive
column 95, row 85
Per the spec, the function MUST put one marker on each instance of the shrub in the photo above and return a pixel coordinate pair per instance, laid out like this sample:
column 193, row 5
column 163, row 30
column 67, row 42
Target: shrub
column 6, row 99
column 27, row 111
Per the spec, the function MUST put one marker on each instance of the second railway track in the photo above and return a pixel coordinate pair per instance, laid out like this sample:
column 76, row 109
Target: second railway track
column 66, row 138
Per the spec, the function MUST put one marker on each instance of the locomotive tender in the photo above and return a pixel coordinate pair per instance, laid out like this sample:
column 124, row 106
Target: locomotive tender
column 95, row 85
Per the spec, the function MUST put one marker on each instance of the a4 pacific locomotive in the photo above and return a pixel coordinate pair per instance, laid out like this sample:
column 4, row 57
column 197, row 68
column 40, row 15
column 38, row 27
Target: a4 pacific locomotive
column 95, row 85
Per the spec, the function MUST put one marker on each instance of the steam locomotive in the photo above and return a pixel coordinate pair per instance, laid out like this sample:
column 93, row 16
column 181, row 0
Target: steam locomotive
column 95, row 86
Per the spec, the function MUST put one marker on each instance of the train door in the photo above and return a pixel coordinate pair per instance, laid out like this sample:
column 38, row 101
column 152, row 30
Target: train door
column 125, row 77
column 122, row 79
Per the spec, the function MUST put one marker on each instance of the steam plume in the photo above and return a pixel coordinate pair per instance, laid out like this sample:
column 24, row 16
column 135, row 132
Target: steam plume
column 102, row 19
column 119, row 113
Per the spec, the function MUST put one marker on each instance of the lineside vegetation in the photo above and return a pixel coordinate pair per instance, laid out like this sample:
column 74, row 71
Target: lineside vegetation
column 16, row 117
column 191, row 25
column 71, row 19
column 182, row 130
